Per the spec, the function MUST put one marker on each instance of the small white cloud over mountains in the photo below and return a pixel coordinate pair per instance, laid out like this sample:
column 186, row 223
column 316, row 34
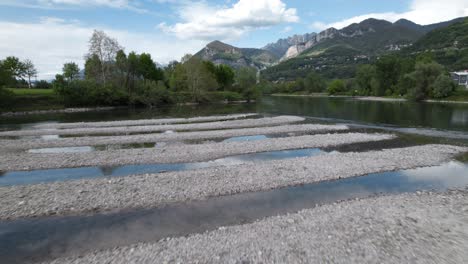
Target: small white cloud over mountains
column 201, row 21
column 420, row 11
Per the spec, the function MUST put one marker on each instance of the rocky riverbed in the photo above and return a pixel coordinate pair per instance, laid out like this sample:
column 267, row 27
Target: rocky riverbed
column 406, row 228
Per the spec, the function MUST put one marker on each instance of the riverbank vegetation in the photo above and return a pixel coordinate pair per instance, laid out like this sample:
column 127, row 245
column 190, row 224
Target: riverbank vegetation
column 112, row 77
column 417, row 78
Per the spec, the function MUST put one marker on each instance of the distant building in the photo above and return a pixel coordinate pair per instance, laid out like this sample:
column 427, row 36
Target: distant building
column 460, row 78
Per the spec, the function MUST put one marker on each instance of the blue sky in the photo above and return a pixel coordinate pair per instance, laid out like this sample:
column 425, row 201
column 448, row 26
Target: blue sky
column 52, row 32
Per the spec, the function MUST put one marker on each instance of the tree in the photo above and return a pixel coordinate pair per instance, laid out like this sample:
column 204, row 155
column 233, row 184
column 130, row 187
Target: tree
column 93, row 68
column 314, row 83
column 186, row 58
column 423, row 79
column 443, row 87
column 337, row 86
column 246, row 79
column 70, row 71
column 147, row 68
column 14, row 67
column 366, row 79
column 388, row 70
column 105, row 49
column 225, row 76
column 133, row 62
column 5, row 76
column 29, row 71
column 199, row 79
column 121, row 62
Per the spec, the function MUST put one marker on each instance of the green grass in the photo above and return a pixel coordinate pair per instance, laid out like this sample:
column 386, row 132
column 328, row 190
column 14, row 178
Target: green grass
column 22, row 91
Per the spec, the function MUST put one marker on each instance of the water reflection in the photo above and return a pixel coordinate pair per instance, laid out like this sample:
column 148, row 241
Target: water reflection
column 51, row 175
column 63, row 150
column 460, row 117
column 57, row 236
column 246, row 138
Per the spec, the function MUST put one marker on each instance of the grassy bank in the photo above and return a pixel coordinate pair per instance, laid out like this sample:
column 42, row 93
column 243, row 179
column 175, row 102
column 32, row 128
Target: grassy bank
column 31, row 99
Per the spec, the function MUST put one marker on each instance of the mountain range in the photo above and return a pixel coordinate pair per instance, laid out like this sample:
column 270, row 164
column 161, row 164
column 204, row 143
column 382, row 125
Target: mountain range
column 355, row 43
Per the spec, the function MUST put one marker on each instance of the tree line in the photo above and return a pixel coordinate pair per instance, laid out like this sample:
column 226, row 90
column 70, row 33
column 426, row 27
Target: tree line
column 113, row 77
column 16, row 73
column 416, row 78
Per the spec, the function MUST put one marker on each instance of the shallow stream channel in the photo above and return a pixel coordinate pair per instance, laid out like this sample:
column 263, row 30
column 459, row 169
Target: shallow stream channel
column 32, row 239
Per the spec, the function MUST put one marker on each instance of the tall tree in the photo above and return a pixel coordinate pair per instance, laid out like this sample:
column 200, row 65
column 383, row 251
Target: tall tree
column 29, row 70
column 70, row 71
column 314, row 83
column 105, row 48
column 246, row 79
column 14, row 67
column 121, row 62
column 133, row 62
column 199, row 79
column 225, row 76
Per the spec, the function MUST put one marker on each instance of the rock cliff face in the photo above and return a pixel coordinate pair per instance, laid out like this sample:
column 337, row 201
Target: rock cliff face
column 222, row 53
column 281, row 47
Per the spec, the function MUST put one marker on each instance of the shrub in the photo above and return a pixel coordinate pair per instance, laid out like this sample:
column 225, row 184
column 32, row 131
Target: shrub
column 336, row 87
column 6, row 98
column 42, row 84
column 443, row 87
column 152, row 94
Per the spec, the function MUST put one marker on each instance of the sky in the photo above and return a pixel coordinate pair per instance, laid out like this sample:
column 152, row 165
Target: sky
column 53, row 32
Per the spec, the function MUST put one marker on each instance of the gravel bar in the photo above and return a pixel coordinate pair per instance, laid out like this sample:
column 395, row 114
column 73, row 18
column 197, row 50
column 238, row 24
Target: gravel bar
column 408, row 228
column 269, row 121
column 177, row 153
column 24, row 144
column 140, row 122
column 153, row 190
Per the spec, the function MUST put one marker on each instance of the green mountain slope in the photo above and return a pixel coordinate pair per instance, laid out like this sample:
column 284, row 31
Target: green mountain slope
column 448, row 46
column 339, row 56
column 222, row 53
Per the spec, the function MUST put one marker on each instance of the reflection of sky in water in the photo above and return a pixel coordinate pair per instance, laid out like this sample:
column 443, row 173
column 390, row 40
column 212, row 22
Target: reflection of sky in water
column 50, row 137
column 246, row 138
column 460, row 117
column 63, row 150
column 37, row 176
column 452, row 174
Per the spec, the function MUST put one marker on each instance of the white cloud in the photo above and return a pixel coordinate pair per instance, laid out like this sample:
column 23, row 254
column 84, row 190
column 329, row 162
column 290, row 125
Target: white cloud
column 53, row 41
column 420, row 11
column 201, row 21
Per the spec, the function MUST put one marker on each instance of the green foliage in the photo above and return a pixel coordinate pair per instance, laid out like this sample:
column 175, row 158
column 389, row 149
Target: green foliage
column 224, row 76
column 314, row 83
column 151, row 94
column 452, row 36
column 6, row 98
column 31, row 92
column 225, row 96
column 443, row 87
column 336, row 87
column 366, row 79
column 88, row 93
column 42, row 84
column 70, row 71
column 423, row 79
column 246, row 80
